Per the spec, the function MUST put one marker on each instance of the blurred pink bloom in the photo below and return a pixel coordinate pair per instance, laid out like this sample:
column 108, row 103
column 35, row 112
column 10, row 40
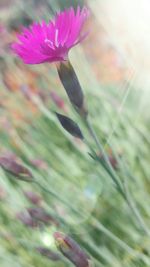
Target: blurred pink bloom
column 18, row 171
column 2, row 29
column 33, row 197
column 51, row 42
column 6, row 3
column 39, row 163
column 26, row 219
column 41, row 215
column 57, row 100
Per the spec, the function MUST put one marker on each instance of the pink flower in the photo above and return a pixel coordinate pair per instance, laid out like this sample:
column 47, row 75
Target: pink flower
column 51, row 42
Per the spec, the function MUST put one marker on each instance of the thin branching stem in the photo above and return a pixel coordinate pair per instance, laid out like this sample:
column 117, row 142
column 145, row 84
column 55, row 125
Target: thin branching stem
column 106, row 165
column 58, row 197
column 123, row 190
column 133, row 207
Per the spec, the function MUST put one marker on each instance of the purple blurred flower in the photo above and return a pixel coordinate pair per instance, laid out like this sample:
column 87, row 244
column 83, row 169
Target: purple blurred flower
column 16, row 169
column 51, row 42
column 26, row 219
column 33, row 197
column 71, row 250
column 39, row 214
column 35, row 217
column 6, row 3
column 39, row 163
column 2, row 29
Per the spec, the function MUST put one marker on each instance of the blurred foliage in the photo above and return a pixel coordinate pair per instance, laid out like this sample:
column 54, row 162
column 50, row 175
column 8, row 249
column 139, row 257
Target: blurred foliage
column 82, row 195
column 68, row 3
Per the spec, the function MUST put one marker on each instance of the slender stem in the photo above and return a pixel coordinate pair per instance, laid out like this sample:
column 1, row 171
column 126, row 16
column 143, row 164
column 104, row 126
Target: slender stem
column 58, row 197
column 132, row 204
column 100, row 226
column 121, row 188
column 108, row 167
column 136, row 212
column 121, row 243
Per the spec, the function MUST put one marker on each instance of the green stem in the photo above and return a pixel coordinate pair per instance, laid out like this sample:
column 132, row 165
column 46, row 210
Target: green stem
column 122, row 189
column 57, row 196
column 94, row 221
column 136, row 212
column 106, row 165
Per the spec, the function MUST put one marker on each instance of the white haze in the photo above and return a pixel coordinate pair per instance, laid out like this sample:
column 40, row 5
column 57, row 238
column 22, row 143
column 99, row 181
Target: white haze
column 127, row 23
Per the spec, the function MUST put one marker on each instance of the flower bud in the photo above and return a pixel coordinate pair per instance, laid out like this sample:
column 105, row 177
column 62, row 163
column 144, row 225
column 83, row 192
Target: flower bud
column 19, row 171
column 70, row 126
column 71, row 250
column 39, row 214
column 26, row 219
column 72, row 86
column 33, row 197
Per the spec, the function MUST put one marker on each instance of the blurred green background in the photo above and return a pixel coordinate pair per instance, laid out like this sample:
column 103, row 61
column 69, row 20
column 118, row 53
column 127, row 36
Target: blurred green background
column 82, row 193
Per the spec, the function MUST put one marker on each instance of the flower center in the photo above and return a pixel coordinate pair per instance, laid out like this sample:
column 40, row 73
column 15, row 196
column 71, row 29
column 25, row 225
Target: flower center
column 49, row 43
column 55, row 43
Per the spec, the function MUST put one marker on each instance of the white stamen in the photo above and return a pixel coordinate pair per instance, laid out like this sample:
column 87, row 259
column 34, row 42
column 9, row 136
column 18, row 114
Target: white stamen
column 49, row 43
column 56, row 38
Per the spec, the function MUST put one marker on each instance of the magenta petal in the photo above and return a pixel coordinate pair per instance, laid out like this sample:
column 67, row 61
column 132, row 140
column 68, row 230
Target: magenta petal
column 51, row 42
